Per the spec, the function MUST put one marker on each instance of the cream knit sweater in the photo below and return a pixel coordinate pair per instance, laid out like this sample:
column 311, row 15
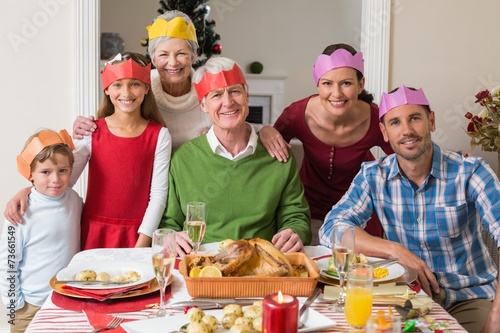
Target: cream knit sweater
column 184, row 117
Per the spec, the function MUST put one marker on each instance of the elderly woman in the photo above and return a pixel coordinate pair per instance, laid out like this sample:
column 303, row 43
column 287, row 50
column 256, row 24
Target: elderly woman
column 172, row 47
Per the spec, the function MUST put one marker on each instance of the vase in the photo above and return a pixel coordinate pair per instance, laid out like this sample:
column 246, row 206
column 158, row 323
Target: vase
column 111, row 44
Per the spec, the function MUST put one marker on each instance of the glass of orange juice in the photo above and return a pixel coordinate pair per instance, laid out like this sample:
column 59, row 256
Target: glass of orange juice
column 359, row 295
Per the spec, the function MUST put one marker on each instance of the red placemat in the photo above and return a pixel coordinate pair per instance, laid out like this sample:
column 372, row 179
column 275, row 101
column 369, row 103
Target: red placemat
column 136, row 303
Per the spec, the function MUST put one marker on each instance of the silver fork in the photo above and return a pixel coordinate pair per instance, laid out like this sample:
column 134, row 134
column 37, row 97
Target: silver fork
column 111, row 325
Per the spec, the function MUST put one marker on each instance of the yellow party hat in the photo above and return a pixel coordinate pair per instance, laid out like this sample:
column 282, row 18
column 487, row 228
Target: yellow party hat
column 176, row 28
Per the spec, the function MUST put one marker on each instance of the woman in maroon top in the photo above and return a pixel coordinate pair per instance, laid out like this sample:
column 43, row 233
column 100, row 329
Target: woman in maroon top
column 337, row 128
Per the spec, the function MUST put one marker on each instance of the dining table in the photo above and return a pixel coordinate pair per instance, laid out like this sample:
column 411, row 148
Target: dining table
column 63, row 314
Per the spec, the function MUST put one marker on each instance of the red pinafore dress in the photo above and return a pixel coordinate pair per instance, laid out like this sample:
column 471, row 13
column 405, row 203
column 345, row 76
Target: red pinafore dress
column 119, row 181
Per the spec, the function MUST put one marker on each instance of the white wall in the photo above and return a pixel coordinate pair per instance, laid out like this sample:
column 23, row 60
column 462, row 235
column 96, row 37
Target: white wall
column 285, row 35
column 451, row 49
column 37, row 77
column 37, row 80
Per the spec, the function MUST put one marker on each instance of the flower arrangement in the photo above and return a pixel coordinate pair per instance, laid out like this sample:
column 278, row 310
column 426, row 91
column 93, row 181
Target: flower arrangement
column 484, row 129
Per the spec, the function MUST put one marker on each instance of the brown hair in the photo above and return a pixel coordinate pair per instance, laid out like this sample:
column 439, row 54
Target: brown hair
column 364, row 95
column 149, row 108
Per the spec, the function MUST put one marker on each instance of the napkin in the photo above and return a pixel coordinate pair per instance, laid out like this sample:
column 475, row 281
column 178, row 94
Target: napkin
column 414, row 308
column 127, row 304
column 97, row 320
column 104, row 294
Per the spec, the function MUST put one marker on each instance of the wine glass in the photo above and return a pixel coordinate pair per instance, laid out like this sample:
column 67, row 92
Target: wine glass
column 343, row 253
column 163, row 253
column 195, row 223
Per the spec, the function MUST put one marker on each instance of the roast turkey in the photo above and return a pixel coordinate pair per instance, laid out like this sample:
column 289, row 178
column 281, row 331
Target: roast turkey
column 248, row 257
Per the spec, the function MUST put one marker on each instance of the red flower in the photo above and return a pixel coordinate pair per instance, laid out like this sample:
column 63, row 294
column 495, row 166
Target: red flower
column 469, row 115
column 482, row 95
column 470, row 127
column 477, row 120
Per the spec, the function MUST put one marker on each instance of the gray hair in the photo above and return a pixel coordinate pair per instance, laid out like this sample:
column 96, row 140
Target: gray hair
column 215, row 65
column 168, row 16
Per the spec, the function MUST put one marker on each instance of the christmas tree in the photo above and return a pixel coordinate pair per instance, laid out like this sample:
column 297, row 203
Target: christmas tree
column 198, row 11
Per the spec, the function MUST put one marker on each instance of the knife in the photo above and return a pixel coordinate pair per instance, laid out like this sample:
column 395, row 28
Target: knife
column 383, row 263
column 309, row 301
column 92, row 282
column 210, row 303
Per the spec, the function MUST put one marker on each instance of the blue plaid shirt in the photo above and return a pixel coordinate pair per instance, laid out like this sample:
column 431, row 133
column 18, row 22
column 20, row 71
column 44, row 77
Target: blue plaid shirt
column 440, row 221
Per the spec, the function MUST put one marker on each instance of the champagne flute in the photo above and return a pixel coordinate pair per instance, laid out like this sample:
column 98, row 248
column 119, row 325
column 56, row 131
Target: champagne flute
column 343, row 254
column 195, row 223
column 163, row 253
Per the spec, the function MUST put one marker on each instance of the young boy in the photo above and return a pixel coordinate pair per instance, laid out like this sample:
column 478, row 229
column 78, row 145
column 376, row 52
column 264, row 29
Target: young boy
column 33, row 252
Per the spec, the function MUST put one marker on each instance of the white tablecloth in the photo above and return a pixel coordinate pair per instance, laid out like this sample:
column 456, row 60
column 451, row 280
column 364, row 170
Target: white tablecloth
column 52, row 319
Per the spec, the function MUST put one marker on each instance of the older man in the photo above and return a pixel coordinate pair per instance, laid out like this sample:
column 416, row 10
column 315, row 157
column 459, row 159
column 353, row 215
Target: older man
column 247, row 193
column 431, row 203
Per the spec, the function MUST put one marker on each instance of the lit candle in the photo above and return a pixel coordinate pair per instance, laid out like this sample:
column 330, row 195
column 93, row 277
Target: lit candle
column 280, row 314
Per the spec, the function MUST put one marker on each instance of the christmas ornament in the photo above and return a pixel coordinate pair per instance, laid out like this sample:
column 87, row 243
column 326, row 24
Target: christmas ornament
column 217, row 49
column 256, row 67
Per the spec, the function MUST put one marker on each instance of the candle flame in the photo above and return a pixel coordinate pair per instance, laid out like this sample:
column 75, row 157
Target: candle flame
column 280, row 297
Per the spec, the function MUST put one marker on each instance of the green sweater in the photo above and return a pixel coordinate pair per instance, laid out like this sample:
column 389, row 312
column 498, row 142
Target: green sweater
column 256, row 196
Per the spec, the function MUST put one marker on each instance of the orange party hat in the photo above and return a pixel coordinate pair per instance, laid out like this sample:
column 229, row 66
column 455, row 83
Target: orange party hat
column 36, row 145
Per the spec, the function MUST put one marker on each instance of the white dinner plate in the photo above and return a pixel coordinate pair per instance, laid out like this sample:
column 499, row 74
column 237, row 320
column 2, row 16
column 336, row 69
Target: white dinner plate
column 313, row 321
column 209, row 248
column 113, row 268
column 395, row 270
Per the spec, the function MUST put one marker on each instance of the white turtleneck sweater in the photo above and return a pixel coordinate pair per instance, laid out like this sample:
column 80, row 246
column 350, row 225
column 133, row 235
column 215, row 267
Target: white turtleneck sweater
column 33, row 252
column 184, row 117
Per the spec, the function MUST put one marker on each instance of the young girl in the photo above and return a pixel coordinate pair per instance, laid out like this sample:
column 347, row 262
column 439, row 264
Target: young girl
column 128, row 158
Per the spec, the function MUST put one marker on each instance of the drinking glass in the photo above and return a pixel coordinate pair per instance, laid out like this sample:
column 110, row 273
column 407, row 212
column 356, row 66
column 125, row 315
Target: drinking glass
column 195, row 223
column 383, row 323
column 343, row 254
column 163, row 253
column 359, row 295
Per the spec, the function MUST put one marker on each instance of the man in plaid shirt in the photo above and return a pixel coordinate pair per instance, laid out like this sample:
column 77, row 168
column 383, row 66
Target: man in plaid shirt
column 432, row 204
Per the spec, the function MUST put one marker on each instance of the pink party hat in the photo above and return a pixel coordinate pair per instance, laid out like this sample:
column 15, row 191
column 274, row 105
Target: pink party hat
column 339, row 58
column 402, row 96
